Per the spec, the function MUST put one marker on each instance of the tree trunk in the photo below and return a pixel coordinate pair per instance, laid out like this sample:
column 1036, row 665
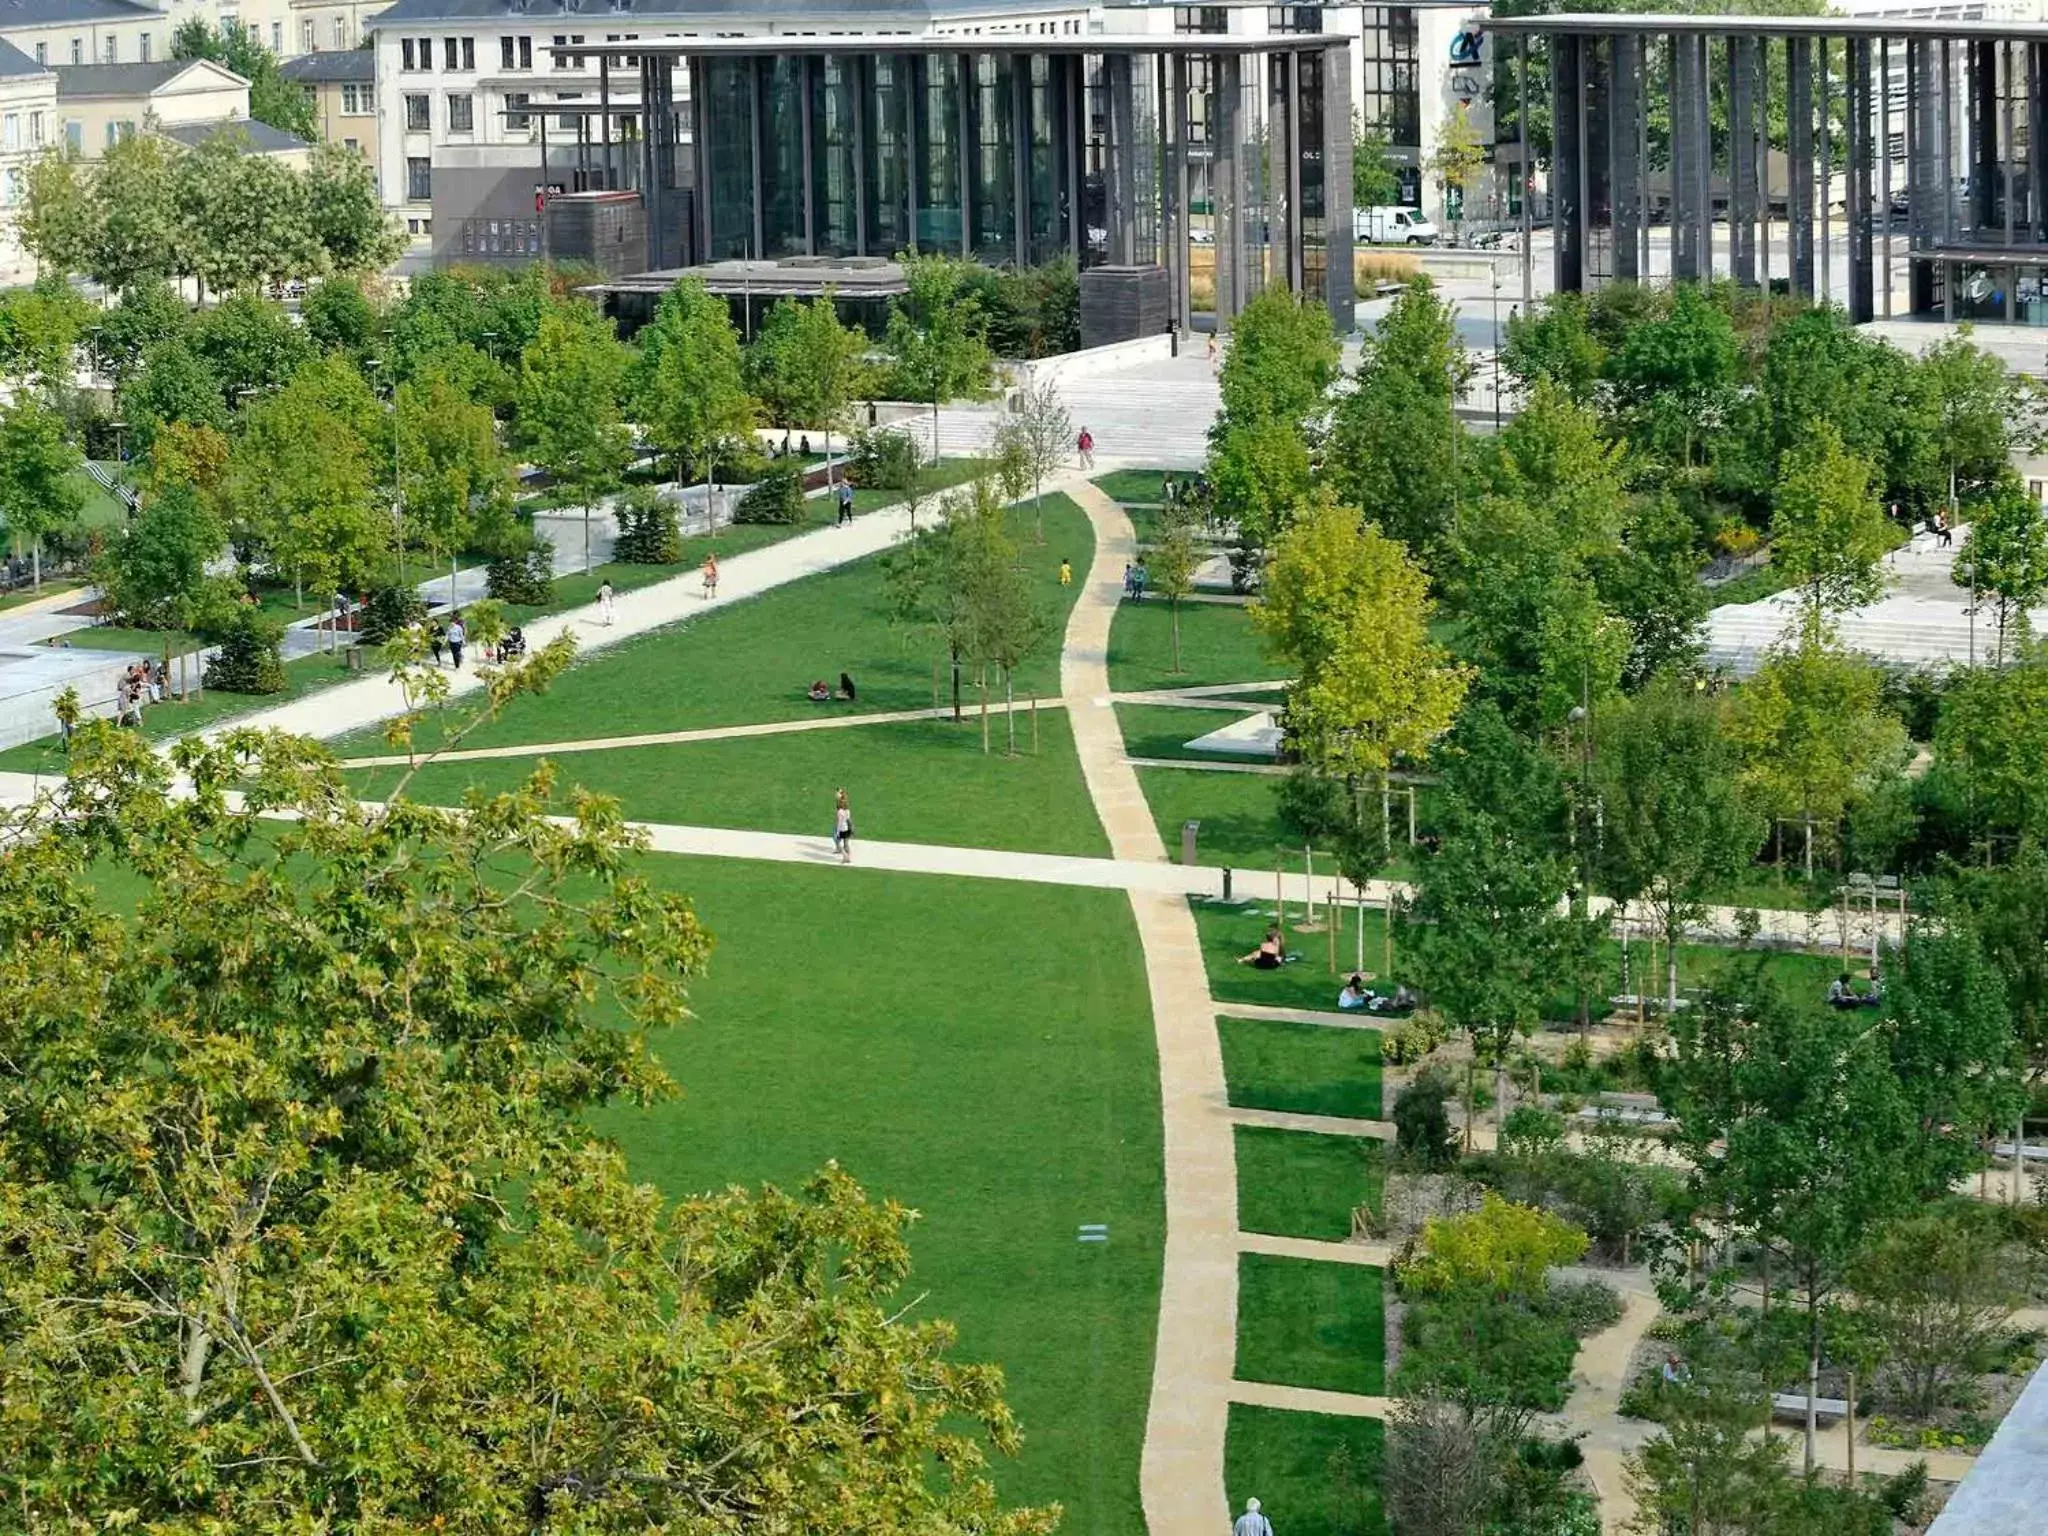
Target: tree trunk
column 981, row 684
column 954, row 651
column 1174, row 606
column 1010, row 710
column 1849, row 1429
column 1470, row 1068
column 35, row 558
column 586, row 539
column 451, row 578
column 1812, row 1375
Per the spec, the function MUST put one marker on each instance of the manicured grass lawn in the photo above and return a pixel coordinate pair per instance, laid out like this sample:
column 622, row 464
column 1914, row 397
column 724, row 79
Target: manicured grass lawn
column 1240, row 818
column 1306, row 1069
column 1162, row 730
column 26, row 595
column 115, row 637
column 1317, row 1474
column 1217, row 645
column 1299, row 1184
column 1228, row 932
column 752, row 661
column 1305, row 1323
column 956, row 1050
column 1142, row 486
column 308, row 674
column 920, row 781
column 101, row 508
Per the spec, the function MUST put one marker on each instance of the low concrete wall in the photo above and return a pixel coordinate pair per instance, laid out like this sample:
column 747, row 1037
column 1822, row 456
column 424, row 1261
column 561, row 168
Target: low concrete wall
column 1093, row 361
column 2006, row 1493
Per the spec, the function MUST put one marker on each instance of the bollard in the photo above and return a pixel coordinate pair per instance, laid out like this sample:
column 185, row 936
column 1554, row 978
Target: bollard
column 1226, row 882
column 1189, row 830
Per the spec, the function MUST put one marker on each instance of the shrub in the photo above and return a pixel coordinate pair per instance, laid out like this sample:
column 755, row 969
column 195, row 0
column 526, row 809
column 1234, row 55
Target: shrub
column 1422, row 1125
column 1529, row 1129
column 881, row 460
column 648, row 534
column 527, row 577
column 247, row 661
column 1408, row 1040
column 388, row 610
column 1586, row 1307
column 777, row 497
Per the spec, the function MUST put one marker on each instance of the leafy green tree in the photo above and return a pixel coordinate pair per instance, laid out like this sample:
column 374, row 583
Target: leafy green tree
column 2007, row 556
column 1652, row 584
column 809, row 365
column 1828, row 533
column 140, row 235
column 1992, row 737
column 1374, row 182
column 688, row 386
column 1814, row 736
column 153, row 570
column 1457, row 160
column 1554, row 345
column 1349, row 610
column 60, row 219
column 149, row 312
column 1673, row 825
column 1675, row 377
column 1171, row 562
column 1004, row 620
column 251, row 345
column 40, row 330
column 338, row 318
column 284, row 104
column 1707, row 1469
column 39, row 490
column 1281, row 362
column 345, row 215
column 322, row 1225
column 1261, row 476
column 1038, row 435
column 1978, row 413
column 244, row 220
column 458, row 480
column 174, row 384
column 1395, row 440
column 1939, row 1288
column 937, row 337
column 571, row 379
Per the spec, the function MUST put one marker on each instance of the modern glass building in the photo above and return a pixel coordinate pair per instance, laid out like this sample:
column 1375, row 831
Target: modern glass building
column 1906, row 144
column 1010, row 149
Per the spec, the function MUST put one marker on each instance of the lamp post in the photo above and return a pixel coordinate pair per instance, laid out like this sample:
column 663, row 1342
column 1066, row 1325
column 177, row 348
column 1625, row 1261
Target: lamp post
column 1494, row 266
column 376, row 366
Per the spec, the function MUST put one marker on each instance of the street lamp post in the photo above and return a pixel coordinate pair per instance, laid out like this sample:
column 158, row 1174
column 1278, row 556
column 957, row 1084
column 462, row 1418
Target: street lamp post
column 1495, row 267
column 376, row 366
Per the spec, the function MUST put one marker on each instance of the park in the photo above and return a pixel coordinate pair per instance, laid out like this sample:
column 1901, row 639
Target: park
column 721, row 930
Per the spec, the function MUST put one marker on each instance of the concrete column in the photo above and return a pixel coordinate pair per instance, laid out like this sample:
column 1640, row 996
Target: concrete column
column 1339, row 276
column 809, row 68
column 1567, row 182
column 1862, row 285
column 1020, row 157
column 1882, row 203
column 1687, row 151
column 1983, row 134
column 1626, row 175
column 1925, row 194
column 862, row 84
column 1522, row 169
column 969, row 147
column 1799, row 195
column 2037, row 141
column 1122, row 178
column 1173, row 223
column 758, row 243
column 1742, row 160
column 1073, row 119
column 1703, row 162
column 1226, row 186
column 917, row 145
column 1283, row 166
column 700, row 159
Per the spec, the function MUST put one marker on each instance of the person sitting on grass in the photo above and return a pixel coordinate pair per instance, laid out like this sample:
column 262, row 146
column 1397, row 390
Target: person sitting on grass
column 1354, row 994
column 1874, row 998
column 820, row 693
column 513, row 646
column 1840, row 993
column 1270, row 955
column 846, row 687
column 1402, row 1000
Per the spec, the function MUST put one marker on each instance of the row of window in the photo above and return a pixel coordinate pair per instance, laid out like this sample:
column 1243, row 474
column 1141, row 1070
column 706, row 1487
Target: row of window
column 460, row 110
column 416, row 54
column 309, row 35
column 10, row 131
column 110, row 50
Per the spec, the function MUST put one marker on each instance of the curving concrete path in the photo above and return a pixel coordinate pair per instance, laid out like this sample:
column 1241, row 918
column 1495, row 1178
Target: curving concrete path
column 1181, row 1475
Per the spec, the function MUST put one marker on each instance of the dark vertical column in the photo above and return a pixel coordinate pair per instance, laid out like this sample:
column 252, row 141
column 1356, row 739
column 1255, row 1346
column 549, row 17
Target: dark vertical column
column 1020, row 157
column 862, row 73
column 1566, row 173
column 604, row 114
column 1523, row 170
column 1703, row 161
column 650, row 186
column 1742, row 160
column 1625, row 174
column 1296, row 236
column 1074, row 108
column 1122, row 146
column 808, row 71
column 1339, row 279
column 2008, row 157
column 1883, row 201
column 1862, row 287
column 700, row 156
column 1984, row 133
column 1827, row 167
column 758, row 242
column 1588, row 158
column 1685, row 157
column 1799, row 181
column 2037, row 141
column 1174, row 227
column 1763, row 158
column 1226, row 184
column 1925, row 193
column 967, row 146
column 917, row 145
column 1945, row 122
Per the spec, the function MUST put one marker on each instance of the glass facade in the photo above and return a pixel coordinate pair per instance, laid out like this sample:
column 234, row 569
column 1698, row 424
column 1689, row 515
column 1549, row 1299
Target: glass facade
column 725, row 118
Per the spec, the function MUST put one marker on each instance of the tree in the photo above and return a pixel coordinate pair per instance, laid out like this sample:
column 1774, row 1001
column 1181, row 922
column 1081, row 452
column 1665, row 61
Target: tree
column 322, row 1225
column 1978, row 413
column 570, row 379
column 345, row 215
column 149, row 312
column 458, row 480
column 1345, row 605
column 1037, row 434
column 1673, row 825
column 338, row 318
column 152, row 571
column 1814, row 736
column 1281, row 362
column 1554, row 345
column 284, row 104
column 39, row 467
column 1260, row 475
column 1828, row 533
column 1171, row 561
column 1939, row 1288
column 1652, row 584
column 1674, row 377
column 1395, row 441
column 40, row 328
column 1005, row 622
column 1991, row 737
column 937, row 337
column 60, row 220
column 688, row 387
column 244, row 220
column 1457, row 160
column 141, row 236
column 2007, row 555
column 174, row 384
column 809, row 366
column 1707, row 1472
column 1374, row 182
column 251, row 345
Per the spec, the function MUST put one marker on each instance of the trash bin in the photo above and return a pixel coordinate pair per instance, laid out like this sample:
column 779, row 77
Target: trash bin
column 1188, row 832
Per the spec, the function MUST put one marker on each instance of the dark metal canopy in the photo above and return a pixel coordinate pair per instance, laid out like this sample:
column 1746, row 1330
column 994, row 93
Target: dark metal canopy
column 1669, row 25
column 1203, row 45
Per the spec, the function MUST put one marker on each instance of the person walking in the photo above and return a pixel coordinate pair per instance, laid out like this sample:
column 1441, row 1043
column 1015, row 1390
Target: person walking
column 1944, row 534
column 1066, row 573
column 604, row 601
column 845, row 503
column 458, row 636
column 1212, row 352
column 710, row 577
column 842, row 828
column 437, row 637
column 1252, row 1522
column 1085, row 446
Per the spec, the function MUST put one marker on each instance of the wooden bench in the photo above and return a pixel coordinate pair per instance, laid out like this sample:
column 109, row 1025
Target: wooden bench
column 1792, row 1405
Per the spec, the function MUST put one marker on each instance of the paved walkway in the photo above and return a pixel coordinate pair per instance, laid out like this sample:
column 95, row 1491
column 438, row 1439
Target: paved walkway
column 1181, row 1473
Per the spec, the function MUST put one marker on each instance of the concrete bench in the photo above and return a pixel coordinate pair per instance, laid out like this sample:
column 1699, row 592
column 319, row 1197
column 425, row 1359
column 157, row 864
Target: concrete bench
column 1628, row 1114
column 1792, row 1405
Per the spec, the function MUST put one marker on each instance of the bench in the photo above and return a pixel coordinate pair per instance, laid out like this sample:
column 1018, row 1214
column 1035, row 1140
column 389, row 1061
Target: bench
column 1628, row 1001
column 1792, row 1405
column 1628, row 1114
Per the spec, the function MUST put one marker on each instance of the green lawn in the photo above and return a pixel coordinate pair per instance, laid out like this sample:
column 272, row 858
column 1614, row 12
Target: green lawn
column 752, row 661
column 956, row 1050
column 1309, row 982
column 1305, row 1323
column 52, row 587
column 1240, row 818
column 116, row 637
column 101, row 508
column 923, row 781
column 1298, row 1184
column 1162, row 730
column 1141, row 486
column 1317, row 1474
column 1305, row 1069
column 1217, row 645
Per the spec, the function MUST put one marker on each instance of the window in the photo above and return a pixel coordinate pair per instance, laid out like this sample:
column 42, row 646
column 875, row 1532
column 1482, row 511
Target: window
column 147, row 41
column 567, row 121
column 43, row 53
column 568, row 42
column 526, row 53
column 78, row 50
column 74, row 138
column 35, row 129
column 277, row 37
column 341, row 32
column 469, row 53
column 448, row 54
column 419, row 179
column 111, row 50
column 462, row 113
column 1391, row 97
column 10, row 131
column 309, row 36
column 517, row 121
column 352, row 144
column 405, row 54
column 416, row 118
column 357, row 100
column 505, row 46
column 426, row 53
column 12, row 191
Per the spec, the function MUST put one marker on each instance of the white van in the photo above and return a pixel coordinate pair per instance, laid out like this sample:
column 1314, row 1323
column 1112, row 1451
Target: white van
column 1392, row 225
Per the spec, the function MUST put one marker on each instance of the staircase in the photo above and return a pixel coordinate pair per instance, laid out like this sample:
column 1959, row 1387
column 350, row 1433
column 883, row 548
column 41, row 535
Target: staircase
column 108, row 482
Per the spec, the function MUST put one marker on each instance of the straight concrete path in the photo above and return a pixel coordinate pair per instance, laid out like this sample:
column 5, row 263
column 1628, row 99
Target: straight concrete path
column 1181, row 1471
column 1321, row 1125
column 1267, row 1394
column 1371, row 1255
column 1301, row 1016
